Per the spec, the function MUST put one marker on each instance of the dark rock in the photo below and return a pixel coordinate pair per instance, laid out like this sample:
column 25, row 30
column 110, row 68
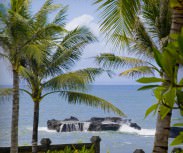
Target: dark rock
column 135, row 125
column 174, row 131
column 72, row 118
column 111, row 127
column 113, row 119
column 97, row 119
column 69, row 127
column 45, row 141
column 96, row 124
column 139, row 151
column 101, row 119
column 54, row 124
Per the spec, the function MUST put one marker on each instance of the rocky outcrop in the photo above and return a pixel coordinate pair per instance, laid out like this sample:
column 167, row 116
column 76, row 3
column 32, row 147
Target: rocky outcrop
column 54, row 124
column 72, row 118
column 94, row 124
column 99, row 126
column 135, row 125
column 174, row 131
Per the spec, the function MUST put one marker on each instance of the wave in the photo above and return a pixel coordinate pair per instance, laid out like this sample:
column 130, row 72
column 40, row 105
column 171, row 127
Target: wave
column 42, row 129
column 123, row 129
column 144, row 132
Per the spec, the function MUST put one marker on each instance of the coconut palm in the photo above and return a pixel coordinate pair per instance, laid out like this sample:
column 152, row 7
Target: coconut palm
column 23, row 36
column 144, row 26
column 55, row 76
column 12, row 36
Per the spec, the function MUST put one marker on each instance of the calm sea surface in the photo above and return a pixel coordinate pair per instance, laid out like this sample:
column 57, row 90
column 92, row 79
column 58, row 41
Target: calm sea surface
column 132, row 102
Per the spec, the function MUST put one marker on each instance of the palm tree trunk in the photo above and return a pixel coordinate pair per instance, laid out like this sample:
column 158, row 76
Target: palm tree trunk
column 15, row 113
column 162, row 134
column 35, row 127
column 163, row 125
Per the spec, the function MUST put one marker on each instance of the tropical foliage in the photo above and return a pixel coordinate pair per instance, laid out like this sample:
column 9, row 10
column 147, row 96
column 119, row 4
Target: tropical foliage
column 74, row 150
column 47, row 55
column 144, row 27
column 54, row 76
column 17, row 35
column 169, row 94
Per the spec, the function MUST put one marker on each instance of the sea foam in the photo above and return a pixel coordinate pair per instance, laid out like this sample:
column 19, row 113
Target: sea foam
column 42, row 129
column 144, row 132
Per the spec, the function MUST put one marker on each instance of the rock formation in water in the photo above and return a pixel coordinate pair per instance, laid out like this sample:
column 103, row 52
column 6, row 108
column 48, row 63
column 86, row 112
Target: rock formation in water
column 94, row 124
column 98, row 124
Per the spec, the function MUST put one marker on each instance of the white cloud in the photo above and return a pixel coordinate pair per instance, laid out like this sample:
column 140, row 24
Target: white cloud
column 84, row 20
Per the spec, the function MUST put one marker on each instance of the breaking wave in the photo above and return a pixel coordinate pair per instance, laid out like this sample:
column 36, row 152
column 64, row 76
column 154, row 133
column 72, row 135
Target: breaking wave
column 144, row 132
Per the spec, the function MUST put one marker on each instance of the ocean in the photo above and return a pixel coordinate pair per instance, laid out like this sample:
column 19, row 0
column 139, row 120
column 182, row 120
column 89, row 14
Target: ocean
column 126, row 97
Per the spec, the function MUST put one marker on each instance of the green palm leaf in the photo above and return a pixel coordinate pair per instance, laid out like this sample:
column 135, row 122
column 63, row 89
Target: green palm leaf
column 109, row 60
column 143, row 43
column 77, row 80
column 60, row 17
column 137, row 72
column 42, row 15
column 117, row 16
column 90, row 100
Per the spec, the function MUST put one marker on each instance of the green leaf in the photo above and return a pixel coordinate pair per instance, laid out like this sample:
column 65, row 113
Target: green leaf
column 150, row 109
column 168, row 64
column 158, row 92
column 180, row 42
column 90, row 100
column 178, row 124
column 157, row 56
column 147, row 87
column 178, row 140
column 169, row 97
column 164, row 111
column 150, row 80
column 168, row 101
column 181, row 82
column 174, row 36
column 179, row 97
column 174, row 3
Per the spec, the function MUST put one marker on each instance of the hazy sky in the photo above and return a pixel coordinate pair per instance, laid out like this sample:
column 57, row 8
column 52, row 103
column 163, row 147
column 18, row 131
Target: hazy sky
column 80, row 12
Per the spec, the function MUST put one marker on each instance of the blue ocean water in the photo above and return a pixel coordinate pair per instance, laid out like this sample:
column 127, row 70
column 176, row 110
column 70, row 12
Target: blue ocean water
column 126, row 97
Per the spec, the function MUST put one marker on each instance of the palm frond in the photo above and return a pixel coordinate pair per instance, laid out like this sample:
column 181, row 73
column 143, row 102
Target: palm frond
column 70, row 48
column 3, row 14
column 108, row 60
column 78, row 35
column 31, row 77
column 90, row 100
column 143, row 42
column 36, row 52
column 19, row 28
column 66, row 81
column 42, row 15
column 117, row 17
column 157, row 15
column 77, row 80
column 60, row 17
column 89, row 73
column 139, row 71
column 151, row 13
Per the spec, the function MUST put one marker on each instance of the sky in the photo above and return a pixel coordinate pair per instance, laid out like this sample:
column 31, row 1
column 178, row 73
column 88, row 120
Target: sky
column 80, row 13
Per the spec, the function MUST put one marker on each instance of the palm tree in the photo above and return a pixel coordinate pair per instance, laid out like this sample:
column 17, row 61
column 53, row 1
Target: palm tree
column 12, row 36
column 54, row 76
column 21, row 35
column 143, row 26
